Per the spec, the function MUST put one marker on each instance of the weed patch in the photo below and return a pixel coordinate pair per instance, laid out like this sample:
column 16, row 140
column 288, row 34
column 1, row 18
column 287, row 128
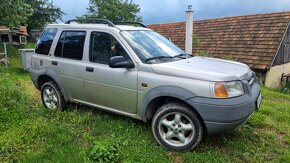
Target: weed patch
column 107, row 150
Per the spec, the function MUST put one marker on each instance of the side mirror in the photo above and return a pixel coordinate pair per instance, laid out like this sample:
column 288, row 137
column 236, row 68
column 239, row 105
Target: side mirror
column 120, row 62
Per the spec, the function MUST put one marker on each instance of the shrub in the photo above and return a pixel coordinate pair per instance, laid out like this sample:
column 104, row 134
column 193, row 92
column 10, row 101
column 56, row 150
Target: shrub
column 106, row 151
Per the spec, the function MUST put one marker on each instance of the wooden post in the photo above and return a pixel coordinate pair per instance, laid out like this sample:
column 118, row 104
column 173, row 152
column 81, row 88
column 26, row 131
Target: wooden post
column 4, row 59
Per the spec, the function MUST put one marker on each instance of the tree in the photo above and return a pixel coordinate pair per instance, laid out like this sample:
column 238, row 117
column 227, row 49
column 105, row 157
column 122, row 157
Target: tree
column 114, row 10
column 44, row 12
column 14, row 13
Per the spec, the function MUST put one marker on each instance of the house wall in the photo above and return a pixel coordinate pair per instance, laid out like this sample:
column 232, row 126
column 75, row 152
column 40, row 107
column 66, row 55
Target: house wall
column 273, row 76
column 280, row 65
column 11, row 38
column 283, row 55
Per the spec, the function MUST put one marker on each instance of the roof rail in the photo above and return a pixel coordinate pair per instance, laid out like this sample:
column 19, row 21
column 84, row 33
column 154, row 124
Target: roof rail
column 106, row 21
column 110, row 24
column 134, row 23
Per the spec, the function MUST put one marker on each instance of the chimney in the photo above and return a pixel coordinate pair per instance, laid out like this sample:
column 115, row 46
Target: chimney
column 188, row 33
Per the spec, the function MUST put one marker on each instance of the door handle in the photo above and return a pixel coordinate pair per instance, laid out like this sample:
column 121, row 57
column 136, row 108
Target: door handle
column 54, row 63
column 90, row 69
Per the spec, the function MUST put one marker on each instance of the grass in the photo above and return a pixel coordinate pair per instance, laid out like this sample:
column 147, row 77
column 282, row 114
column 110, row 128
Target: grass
column 29, row 133
column 30, row 45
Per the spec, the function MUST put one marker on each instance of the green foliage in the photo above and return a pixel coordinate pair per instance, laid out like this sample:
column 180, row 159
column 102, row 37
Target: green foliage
column 11, row 96
column 203, row 53
column 14, row 13
column 196, row 43
column 114, row 10
column 30, row 45
column 44, row 12
column 107, row 150
column 34, row 13
column 12, row 54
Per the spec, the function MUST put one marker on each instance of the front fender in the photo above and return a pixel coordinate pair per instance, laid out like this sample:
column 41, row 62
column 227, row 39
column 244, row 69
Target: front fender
column 163, row 91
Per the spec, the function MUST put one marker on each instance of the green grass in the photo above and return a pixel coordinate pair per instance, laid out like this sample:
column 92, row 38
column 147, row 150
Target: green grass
column 29, row 45
column 29, row 133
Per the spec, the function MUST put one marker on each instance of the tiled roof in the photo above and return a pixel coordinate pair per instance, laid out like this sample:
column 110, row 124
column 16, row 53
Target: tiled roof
column 21, row 30
column 251, row 39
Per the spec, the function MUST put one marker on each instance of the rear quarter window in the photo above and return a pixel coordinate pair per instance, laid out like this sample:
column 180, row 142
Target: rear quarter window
column 45, row 41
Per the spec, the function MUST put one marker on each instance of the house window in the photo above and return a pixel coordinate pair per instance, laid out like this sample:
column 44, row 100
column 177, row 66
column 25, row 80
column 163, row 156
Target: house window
column 71, row 45
column 5, row 38
column 22, row 39
column 15, row 38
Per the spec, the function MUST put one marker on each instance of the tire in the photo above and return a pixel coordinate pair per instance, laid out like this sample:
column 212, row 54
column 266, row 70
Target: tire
column 52, row 97
column 176, row 127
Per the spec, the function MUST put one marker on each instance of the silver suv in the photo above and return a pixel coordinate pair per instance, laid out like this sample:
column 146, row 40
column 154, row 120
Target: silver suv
column 133, row 71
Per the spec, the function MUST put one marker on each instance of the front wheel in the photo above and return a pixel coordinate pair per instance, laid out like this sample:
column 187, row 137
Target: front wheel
column 52, row 97
column 177, row 127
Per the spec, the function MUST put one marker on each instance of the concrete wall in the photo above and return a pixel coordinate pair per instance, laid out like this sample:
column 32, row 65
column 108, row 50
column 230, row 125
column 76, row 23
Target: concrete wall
column 273, row 76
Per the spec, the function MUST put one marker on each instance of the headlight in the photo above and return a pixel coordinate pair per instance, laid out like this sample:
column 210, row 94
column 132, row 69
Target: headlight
column 228, row 89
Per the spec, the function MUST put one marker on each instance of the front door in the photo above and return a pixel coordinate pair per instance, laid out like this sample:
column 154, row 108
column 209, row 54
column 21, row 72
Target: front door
column 115, row 88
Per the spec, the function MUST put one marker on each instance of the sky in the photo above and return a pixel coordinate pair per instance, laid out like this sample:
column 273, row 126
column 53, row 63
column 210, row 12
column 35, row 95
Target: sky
column 164, row 11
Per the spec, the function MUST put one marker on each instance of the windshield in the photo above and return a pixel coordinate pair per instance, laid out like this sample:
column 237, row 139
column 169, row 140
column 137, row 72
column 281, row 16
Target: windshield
column 150, row 45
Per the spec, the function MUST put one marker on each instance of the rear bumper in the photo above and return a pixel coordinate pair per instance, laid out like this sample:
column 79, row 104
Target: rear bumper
column 34, row 74
column 222, row 115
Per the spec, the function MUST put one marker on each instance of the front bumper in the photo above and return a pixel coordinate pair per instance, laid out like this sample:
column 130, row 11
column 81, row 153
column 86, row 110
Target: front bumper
column 221, row 115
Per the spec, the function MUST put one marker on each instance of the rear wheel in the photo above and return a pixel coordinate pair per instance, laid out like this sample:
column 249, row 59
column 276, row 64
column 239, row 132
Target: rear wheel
column 177, row 127
column 52, row 97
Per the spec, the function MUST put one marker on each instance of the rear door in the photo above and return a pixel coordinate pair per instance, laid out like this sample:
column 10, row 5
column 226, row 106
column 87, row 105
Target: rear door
column 115, row 88
column 67, row 62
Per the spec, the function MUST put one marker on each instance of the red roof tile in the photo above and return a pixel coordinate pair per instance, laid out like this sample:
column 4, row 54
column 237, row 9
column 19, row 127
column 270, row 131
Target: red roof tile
column 252, row 39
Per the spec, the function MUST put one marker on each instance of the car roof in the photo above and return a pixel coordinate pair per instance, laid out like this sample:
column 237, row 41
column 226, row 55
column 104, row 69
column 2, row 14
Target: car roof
column 95, row 26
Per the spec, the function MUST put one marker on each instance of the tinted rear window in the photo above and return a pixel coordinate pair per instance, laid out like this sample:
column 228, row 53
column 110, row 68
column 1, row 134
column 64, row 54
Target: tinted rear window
column 70, row 45
column 44, row 43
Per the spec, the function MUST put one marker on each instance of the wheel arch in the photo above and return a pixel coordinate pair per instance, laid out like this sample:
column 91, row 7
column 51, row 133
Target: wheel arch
column 50, row 76
column 157, row 97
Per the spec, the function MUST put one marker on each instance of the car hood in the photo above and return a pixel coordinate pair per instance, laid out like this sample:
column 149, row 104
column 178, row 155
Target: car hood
column 204, row 68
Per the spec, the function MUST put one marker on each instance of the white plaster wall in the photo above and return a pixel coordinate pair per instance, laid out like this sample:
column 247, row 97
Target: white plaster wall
column 273, row 76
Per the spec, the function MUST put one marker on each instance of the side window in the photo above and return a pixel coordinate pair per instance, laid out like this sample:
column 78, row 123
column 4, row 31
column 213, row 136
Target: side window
column 103, row 46
column 71, row 45
column 44, row 43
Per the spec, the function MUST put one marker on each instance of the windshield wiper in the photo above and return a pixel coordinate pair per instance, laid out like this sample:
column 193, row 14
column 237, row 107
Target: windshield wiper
column 157, row 57
column 183, row 55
